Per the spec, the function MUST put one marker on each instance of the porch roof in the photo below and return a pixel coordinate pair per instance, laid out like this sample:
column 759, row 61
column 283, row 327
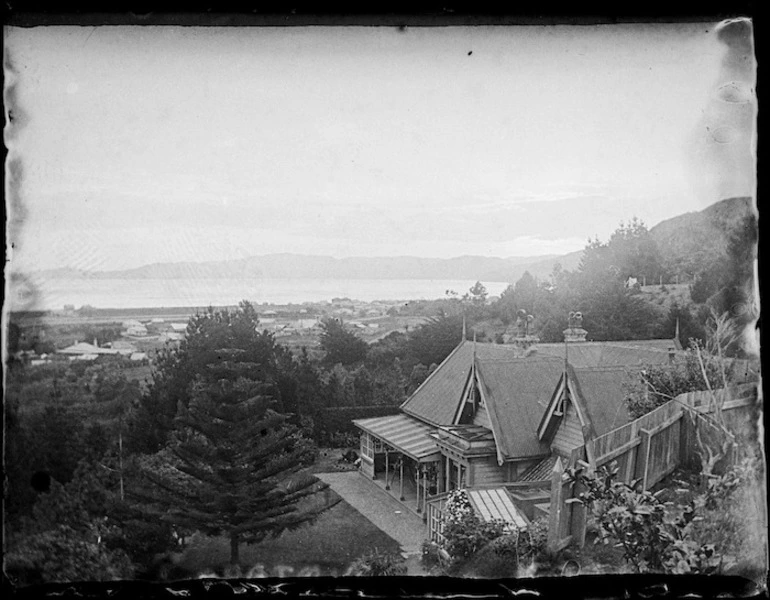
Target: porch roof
column 405, row 434
column 497, row 504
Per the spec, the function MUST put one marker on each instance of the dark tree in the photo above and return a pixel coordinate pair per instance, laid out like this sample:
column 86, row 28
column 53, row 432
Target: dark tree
column 526, row 292
column 176, row 370
column 433, row 341
column 233, row 460
column 341, row 346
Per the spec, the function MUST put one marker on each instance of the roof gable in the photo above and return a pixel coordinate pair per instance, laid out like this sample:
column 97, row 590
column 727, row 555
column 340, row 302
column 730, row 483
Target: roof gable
column 516, row 391
column 599, row 397
column 437, row 399
column 602, row 390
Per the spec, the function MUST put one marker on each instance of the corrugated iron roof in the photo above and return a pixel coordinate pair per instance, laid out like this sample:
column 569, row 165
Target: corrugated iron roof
column 519, row 388
column 517, row 391
column 610, row 354
column 540, row 471
column 497, row 504
column 604, row 395
column 407, row 435
column 436, row 401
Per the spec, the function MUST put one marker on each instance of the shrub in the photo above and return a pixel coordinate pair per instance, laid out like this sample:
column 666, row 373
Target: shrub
column 464, row 537
column 343, row 440
column 464, row 532
column 637, row 521
column 378, row 564
column 731, row 509
column 430, row 556
column 513, row 554
column 498, row 559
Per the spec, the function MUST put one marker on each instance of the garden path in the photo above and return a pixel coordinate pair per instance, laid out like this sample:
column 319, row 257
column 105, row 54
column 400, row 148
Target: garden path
column 384, row 511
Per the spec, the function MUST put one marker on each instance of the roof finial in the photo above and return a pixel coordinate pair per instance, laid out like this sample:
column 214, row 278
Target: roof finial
column 566, row 344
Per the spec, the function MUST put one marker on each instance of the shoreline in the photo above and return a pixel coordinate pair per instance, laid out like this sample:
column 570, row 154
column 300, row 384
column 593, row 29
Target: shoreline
column 308, row 309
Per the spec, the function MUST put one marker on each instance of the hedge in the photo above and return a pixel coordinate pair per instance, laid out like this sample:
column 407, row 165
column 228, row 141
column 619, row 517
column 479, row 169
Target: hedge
column 339, row 420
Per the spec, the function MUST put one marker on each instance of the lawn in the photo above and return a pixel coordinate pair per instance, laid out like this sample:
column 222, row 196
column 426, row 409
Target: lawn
column 326, row 547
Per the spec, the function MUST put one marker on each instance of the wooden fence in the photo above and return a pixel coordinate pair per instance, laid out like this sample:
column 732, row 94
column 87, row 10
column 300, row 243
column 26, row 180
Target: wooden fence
column 435, row 517
column 650, row 448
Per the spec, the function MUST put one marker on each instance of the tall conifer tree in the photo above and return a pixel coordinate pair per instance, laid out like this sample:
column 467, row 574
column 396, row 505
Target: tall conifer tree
column 231, row 466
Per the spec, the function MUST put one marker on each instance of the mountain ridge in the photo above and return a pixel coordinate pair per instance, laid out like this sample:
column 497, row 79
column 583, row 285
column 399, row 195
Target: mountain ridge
column 694, row 235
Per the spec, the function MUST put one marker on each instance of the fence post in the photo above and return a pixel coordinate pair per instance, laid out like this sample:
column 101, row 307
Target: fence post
column 685, row 432
column 579, row 512
column 643, row 458
column 555, row 512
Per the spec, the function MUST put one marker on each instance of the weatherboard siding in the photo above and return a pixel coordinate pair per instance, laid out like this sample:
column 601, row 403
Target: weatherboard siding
column 482, row 417
column 569, row 435
column 486, row 471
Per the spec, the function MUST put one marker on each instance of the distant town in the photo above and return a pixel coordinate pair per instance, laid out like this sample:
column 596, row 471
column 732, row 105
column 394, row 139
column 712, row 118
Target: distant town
column 88, row 333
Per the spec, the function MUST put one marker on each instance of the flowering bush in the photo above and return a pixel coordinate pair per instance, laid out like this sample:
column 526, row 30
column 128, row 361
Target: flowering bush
column 464, row 531
column 457, row 507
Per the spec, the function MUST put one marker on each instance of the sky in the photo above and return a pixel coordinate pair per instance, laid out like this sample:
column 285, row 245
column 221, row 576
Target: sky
column 135, row 145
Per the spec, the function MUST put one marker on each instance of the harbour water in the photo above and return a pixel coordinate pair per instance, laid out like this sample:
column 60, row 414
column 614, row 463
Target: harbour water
column 54, row 294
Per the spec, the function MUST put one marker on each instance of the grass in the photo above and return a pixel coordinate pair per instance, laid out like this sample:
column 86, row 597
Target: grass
column 326, row 547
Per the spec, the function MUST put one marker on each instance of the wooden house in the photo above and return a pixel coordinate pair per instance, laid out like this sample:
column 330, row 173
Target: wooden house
column 493, row 416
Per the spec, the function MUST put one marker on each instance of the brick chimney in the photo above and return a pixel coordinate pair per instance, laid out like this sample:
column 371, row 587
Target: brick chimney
column 575, row 332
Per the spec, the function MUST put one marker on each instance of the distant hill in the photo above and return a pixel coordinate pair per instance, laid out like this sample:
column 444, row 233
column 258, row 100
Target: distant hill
column 691, row 242
column 297, row 266
column 687, row 242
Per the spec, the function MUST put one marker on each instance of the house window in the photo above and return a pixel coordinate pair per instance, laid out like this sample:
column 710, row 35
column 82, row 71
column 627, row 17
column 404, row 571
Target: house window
column 367, row 449
column 456, row 472
column 371, row 445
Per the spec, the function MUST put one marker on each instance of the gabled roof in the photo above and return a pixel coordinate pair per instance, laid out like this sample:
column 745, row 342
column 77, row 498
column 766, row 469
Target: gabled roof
column 436, row 400
column 516, row 391
column 610, row 354
column 604, row 395
column 519, row 388
column 599, row 395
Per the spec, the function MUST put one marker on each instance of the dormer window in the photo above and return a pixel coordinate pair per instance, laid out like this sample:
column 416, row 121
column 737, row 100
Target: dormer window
column 559, row 410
